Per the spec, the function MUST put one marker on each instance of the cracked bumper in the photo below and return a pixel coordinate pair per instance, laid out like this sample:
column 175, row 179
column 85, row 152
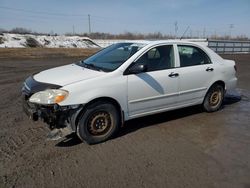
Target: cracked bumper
column 54, row 115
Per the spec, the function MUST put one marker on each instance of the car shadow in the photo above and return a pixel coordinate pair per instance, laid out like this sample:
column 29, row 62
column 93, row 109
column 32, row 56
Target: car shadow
column 139, row 123
column 69, row 141
column 151, row 120
column 231, row 99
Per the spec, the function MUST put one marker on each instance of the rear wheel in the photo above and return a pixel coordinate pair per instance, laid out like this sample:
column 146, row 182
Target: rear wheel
column 99, row 122
column 214, row 98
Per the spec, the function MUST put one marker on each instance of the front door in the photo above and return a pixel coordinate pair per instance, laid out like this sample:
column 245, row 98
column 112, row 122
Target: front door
column 157, row 88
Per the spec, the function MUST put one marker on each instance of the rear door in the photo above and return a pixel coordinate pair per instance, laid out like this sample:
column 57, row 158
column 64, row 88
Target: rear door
column 196, row 72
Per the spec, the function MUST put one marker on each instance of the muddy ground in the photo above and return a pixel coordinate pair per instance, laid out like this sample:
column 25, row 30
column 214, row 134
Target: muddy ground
column 182, row 148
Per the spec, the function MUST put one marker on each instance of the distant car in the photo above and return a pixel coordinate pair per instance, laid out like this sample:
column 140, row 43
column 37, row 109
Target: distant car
column 127, row 80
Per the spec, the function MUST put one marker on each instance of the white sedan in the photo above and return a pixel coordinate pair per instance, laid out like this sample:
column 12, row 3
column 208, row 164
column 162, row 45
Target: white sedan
column 127, row 80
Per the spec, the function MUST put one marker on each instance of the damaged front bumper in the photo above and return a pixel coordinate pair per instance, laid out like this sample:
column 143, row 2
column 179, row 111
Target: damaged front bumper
column 54, row 115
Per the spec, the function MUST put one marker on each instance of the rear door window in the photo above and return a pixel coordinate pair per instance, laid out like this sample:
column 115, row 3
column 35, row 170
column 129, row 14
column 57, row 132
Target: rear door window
column 191, row 56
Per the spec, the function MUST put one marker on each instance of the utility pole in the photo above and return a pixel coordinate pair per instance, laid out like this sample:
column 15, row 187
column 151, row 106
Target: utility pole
column 176, row 28
column 191, row 34
column 231, row 26
column 204, row 32
column 198, row 34
column 73, row 27
column 89, row 23
column 215, row 34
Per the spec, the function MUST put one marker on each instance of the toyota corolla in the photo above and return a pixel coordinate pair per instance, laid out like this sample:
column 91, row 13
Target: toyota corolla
column 94, row 97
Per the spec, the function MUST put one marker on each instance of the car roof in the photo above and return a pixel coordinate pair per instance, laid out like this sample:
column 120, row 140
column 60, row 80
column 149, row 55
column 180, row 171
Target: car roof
column 170, row 41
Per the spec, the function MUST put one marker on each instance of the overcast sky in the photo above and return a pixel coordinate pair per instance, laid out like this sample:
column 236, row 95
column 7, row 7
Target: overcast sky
column 204, row 17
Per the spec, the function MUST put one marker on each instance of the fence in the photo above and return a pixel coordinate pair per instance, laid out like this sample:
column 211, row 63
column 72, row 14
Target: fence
column 105, row 43
column 219, row 46
column 228, row 47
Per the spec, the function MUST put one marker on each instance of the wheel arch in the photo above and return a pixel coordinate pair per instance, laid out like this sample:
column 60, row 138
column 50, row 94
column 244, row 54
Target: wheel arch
column 76, row 119
column 219, row 82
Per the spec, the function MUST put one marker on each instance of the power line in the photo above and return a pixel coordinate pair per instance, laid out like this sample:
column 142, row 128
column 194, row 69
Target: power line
column 40, row 12
column 44, row 18
column 22, row 19
column 41, row 19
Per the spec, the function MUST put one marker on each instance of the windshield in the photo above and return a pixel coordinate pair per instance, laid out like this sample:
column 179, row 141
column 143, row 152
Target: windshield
column 111, row 57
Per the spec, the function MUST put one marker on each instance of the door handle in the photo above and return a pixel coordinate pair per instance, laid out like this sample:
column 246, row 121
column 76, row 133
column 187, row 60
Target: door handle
column 173, row 74
column 209, row 69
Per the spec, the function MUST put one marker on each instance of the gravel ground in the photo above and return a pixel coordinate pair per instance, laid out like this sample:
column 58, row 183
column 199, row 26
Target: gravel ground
column 181, row 148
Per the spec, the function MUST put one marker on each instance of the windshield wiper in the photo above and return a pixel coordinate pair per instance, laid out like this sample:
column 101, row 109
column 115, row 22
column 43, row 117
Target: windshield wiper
column 91, row 66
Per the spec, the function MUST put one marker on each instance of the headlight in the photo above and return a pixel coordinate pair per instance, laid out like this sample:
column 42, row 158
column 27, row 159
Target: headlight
column 49, row 96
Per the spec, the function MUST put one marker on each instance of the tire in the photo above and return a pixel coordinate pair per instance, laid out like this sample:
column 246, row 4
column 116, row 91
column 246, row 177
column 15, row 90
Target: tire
column 99, row 122
column 214, row 98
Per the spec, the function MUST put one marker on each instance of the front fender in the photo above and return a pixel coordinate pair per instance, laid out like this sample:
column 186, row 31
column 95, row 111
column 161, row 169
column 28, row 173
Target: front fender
column 84, row 92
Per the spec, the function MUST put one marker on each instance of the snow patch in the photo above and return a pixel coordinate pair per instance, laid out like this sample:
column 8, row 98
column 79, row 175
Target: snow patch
column 20, row 41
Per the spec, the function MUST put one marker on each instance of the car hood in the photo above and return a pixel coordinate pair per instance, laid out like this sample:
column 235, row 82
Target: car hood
column 67, row 74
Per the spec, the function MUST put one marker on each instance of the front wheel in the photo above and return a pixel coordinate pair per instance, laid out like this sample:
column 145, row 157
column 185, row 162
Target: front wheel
column 214, row 98
column 99, row 122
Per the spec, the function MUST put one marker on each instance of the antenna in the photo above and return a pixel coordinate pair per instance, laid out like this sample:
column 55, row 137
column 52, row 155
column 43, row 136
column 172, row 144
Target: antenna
column 176, row 28
column 184, row 33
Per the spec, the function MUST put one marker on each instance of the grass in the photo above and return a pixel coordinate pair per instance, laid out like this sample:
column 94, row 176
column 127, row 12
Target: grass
column 29, row 53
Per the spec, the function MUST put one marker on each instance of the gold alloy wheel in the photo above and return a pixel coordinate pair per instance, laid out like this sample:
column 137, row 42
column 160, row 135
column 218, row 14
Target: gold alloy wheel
column 215, row 98
column 100, row 123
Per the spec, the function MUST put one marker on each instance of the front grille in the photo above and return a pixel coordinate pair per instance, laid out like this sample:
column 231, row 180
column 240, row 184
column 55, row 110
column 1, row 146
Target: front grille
column 26, row 90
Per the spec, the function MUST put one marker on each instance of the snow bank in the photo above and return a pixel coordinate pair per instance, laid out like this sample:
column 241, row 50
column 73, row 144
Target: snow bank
column 20, row 41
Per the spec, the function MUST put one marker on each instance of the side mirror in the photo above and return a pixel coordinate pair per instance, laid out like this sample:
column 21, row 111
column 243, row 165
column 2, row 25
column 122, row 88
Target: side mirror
column 136, row 69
